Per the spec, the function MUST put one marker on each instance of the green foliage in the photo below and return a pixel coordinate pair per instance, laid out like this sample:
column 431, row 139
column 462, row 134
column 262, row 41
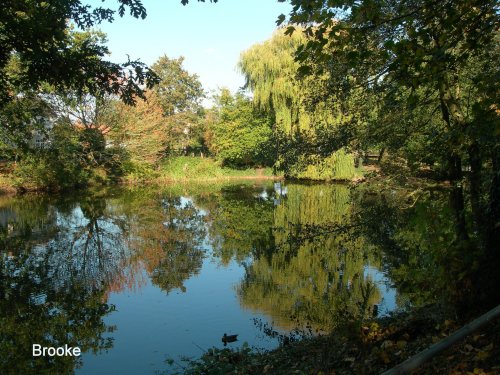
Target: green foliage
column 19, row 119
column 270, row 70
column 168, row 122
column 308, row 132
column 70, row 157
column 60, row 166
column 338, row 166
column 187, row 167
column 6, row 183
column 141, row 131
column 429, row 68
column 240, row 135
column 39, row 33
column 186, row 131
column 178, row 91
column 136, row 172
column 412, row 238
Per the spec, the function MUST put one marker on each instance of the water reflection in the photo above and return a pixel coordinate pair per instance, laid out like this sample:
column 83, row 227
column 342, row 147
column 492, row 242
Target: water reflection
column 414, row 238
column 62, row 258
column 317, row 282
column 46, row 294
column 180, row 246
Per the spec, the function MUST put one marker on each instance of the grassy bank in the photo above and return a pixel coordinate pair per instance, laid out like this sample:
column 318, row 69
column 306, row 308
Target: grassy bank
column 34, row 176
column 6, row 184
column 187, row 168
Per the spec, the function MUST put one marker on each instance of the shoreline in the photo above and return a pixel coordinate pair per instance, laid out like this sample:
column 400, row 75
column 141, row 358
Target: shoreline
column 369, row 347
column 11, row 189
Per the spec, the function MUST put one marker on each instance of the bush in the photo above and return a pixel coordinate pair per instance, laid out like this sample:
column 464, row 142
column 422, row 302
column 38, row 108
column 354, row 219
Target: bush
column 72, row 158
column 241, row 136
column 48, row 172
column 137, row 172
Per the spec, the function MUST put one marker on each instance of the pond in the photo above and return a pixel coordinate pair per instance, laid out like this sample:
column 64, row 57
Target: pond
column 135, row 277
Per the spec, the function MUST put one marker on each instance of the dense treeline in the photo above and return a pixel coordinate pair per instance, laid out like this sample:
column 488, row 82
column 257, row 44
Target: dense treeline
column 422, row 85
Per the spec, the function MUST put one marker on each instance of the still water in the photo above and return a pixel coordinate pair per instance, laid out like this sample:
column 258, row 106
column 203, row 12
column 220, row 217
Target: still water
column 138, row 276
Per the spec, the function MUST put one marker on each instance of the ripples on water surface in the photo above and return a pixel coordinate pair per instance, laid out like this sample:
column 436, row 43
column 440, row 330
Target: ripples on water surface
column 133, row 277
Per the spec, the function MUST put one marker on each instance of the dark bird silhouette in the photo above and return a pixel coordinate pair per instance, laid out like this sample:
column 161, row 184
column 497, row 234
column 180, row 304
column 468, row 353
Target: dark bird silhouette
column 229, row 338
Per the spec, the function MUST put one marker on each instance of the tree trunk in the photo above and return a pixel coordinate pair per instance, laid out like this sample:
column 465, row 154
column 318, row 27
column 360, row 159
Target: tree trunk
column 381, row 155
column 490, row 277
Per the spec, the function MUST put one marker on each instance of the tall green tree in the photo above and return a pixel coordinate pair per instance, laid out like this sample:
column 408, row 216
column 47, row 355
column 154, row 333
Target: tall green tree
column 270, row 72
column 178, row 90
column 240, row 135
column 179, row 94
column 428, row 53
column 38, row 32
column 141, row 131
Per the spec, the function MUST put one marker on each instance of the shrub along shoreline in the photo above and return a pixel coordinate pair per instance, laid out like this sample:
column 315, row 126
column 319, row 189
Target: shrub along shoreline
column 176, row 169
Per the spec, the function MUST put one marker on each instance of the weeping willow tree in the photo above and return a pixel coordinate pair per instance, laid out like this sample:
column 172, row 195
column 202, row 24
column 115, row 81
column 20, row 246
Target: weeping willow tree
column 271, row 73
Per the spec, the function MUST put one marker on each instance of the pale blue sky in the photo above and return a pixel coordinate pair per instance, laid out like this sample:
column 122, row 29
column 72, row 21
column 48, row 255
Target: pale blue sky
column 209, row 36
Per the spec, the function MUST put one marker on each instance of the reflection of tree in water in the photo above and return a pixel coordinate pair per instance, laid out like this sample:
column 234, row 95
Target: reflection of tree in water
column 82, row 239
column 43, row 298
column 32, row 311
column 24, row 222
column 90, row 246
column 240, row 222
column 316, row 282
column 167, row 233
column 182, row 244
column 414, row 239
column 60, row 258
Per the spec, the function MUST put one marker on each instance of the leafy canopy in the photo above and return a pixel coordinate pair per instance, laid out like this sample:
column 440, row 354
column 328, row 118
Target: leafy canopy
column 37, row 32
column 178, row 91
column 241, row 135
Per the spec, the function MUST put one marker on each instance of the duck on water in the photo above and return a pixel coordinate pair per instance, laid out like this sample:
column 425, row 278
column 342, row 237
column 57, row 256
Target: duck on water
column 229, row 338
